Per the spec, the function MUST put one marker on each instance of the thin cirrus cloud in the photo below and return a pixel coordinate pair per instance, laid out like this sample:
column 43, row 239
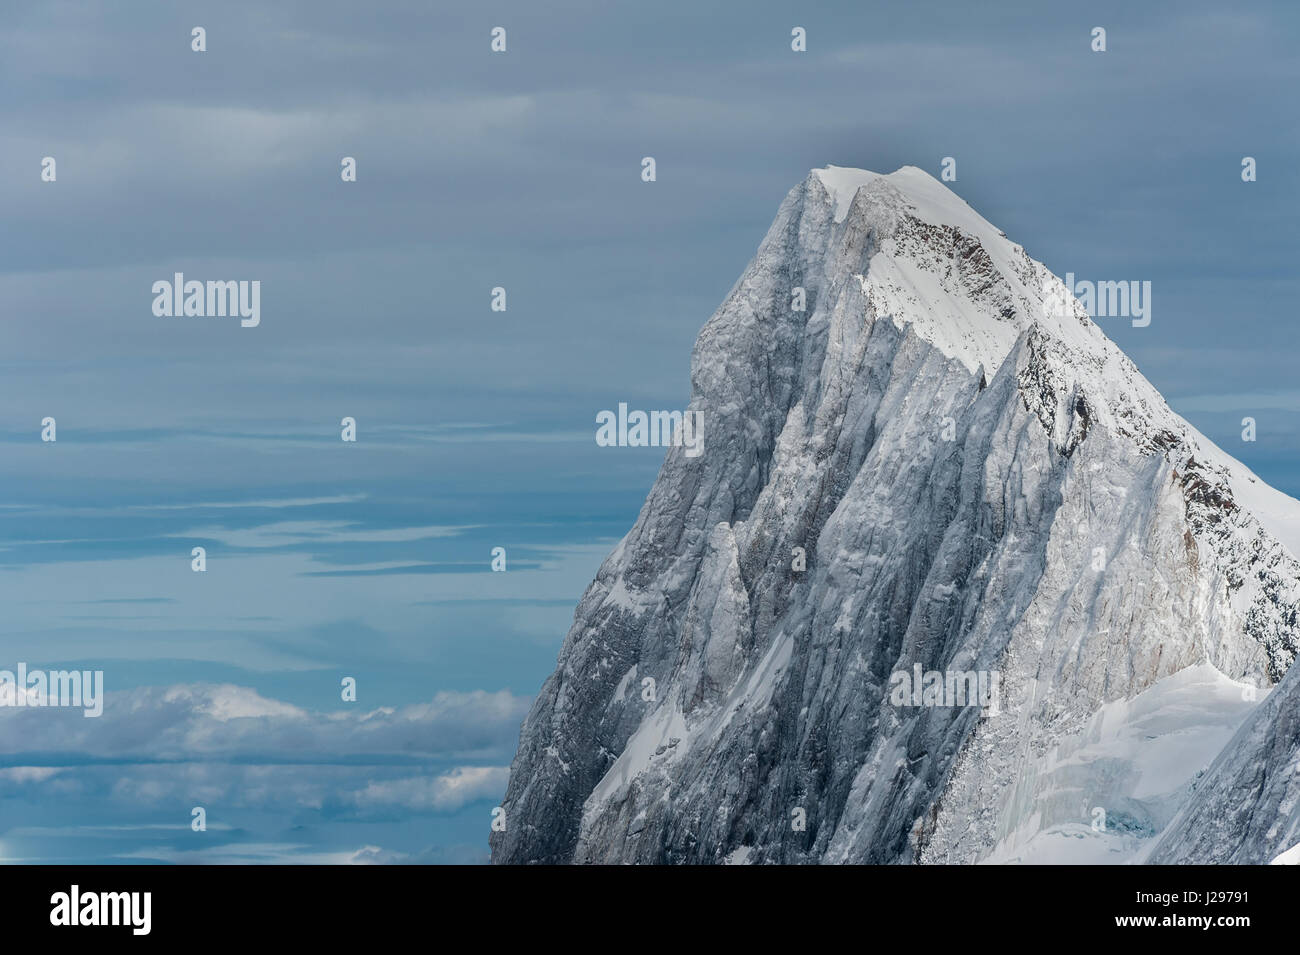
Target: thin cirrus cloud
column 1241, row 401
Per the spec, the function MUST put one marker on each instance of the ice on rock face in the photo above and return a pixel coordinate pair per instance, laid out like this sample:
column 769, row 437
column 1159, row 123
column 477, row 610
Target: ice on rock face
column 1098, row 796
column 980, row 481
column 1246, row 807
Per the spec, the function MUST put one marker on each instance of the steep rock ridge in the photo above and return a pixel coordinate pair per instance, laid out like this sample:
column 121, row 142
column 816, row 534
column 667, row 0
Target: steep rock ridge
column 980, row 480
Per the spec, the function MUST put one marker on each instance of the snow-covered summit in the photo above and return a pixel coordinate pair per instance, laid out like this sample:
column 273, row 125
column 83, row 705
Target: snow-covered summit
column 932, row 200
column 960, row 284
column 918, row 220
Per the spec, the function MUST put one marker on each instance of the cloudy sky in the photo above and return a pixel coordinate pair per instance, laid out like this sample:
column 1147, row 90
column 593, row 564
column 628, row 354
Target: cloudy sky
column 475, row 428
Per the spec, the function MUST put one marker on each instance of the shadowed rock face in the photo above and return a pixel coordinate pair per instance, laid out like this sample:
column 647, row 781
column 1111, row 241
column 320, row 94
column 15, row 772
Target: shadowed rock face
column 978, row 480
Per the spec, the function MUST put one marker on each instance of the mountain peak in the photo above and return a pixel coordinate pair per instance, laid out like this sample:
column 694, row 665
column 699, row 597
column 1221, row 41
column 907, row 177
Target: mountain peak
column 929, row 260
column 922, row 457
column 936, row 267
column 928, row 198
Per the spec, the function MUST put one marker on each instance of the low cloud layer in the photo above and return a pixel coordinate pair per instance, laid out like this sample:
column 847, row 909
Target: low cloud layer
column 198, row 722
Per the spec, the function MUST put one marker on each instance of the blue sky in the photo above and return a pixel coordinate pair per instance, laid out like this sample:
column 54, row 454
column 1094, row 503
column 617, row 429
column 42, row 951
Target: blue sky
column 476, row 427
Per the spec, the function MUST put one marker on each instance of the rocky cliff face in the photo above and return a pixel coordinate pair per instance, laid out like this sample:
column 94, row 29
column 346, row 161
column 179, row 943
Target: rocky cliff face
column 978, row 481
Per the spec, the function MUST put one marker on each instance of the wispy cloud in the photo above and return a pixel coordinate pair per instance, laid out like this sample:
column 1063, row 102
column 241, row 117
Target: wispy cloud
column 195, row 722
